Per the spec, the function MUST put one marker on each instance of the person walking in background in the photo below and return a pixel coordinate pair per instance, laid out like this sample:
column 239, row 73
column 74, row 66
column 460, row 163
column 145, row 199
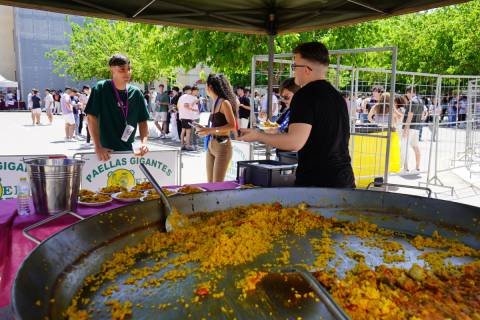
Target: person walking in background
column 187, row 112
column 57, row 107
column 452, row 112
column 244, row 108
column 67, row 113
column 221, row 124
column 29, row 105
column 153, row 99
column 368, row 103
column 161, row 111
column 462, row 112
column 75, row 102
column 84, row 96
column 36, row 107
column 275, row 106
column 412, row 124
column 48, row 100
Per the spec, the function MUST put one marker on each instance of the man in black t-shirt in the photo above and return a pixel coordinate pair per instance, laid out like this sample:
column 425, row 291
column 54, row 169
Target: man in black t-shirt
column 244, row 110
column 36, row 107
column 319, row 124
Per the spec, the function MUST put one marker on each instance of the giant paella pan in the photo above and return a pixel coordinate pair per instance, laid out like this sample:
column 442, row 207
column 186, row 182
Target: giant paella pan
column 277, row 253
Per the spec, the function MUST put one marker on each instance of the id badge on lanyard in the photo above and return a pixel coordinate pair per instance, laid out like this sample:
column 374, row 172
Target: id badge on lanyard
column 123, row 106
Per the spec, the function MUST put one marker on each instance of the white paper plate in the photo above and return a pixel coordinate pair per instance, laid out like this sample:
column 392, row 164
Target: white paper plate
column 115, row 196
column 131, row 189
column 94, row 204
column 100, row 192
column 177, row 190
column 143, row 199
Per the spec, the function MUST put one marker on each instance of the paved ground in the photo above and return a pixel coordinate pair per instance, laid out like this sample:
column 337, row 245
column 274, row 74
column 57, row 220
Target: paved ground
column 19, row 137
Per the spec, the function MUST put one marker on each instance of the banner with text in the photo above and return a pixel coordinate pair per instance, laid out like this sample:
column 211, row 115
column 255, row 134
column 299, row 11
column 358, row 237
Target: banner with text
column 12, row 169
column 123, row 169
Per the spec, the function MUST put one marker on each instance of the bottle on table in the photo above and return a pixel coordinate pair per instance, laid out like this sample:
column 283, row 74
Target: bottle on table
column 23, row 197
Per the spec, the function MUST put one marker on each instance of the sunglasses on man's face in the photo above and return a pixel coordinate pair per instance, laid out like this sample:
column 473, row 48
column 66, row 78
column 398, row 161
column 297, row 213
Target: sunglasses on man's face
column 293, row 66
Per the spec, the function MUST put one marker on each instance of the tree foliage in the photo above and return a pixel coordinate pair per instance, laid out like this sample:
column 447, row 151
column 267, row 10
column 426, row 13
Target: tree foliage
column 443, row 40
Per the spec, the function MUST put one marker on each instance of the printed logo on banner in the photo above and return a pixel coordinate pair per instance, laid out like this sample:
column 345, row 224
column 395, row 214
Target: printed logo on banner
column 123, row 169
column 11, row 170
column 121, row 177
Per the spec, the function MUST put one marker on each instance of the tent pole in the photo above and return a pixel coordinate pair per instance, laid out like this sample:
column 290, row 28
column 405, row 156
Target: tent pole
column 271, row 52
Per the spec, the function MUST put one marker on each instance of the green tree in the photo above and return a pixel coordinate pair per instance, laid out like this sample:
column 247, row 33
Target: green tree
column 443, row 40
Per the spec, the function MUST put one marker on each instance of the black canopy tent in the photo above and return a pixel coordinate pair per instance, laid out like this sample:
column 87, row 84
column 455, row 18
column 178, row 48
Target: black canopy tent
column 268, row 17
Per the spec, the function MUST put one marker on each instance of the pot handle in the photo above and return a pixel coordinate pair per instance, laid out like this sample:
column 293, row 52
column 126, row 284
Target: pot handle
column 378, row 183
column 45, row 221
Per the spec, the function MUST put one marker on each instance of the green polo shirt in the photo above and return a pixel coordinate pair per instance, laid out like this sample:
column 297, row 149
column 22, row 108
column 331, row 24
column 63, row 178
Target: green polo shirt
column 163, row 100
column 103, row 105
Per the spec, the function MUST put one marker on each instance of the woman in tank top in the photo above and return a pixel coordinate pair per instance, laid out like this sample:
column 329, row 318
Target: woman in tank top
column 221, row 124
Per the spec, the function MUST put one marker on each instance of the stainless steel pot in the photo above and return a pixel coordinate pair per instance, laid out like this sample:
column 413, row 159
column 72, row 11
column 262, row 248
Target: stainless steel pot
column 54, row 183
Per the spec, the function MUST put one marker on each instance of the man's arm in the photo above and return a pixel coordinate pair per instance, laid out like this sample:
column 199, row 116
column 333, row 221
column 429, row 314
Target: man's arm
column 103, row 154
column 294, row 140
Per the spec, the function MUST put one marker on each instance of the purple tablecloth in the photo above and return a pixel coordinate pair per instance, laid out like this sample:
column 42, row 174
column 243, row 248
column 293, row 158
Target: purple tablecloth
column 14, row 247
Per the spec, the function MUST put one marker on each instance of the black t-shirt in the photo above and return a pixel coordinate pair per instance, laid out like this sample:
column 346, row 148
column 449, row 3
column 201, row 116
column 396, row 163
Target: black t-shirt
column 35, row 102
column 244, row 113
column 324, row 160
column 416, row 107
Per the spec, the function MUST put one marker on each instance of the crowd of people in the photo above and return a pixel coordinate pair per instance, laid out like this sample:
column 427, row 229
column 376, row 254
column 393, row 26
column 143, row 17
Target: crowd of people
column 177, row 114
column 70, row 103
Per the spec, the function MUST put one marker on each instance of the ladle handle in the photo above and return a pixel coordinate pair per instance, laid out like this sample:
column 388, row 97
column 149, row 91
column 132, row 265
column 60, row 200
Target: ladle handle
column 157, row 187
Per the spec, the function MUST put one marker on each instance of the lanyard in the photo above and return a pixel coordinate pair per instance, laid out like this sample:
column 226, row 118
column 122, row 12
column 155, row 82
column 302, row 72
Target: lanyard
column 123, row 106
column 285, row 121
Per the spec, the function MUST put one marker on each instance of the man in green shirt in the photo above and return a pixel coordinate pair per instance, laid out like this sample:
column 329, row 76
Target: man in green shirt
column 114, row 110
column 161, row 111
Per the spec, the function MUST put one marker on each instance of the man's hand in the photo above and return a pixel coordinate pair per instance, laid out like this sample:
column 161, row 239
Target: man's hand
column 143, row 150
column 103, row 154
column 249, row 135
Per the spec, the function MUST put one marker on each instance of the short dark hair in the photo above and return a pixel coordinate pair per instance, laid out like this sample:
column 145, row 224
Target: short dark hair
column 410, row 89
column 161, row 85
column 313, row 51
column 176, row 89
column 195, row 88
column 378, row 88
column 118, row 60
column 86, row 87
column 186, row 88
column 290, row 85
column 74, row 90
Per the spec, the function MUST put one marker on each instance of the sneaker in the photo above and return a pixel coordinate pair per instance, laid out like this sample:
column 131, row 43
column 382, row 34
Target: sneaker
column 184, row 148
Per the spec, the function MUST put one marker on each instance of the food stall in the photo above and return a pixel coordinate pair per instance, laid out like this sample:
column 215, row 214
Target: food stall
column 332, row 253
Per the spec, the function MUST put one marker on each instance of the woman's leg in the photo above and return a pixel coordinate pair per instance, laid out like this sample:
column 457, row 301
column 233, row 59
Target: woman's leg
column 223, row 155
column 210, row 163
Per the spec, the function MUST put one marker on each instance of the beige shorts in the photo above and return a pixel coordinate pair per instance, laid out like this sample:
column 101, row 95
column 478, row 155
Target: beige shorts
column 69, row 118
column 161, row 116
column 413, row 138
column 37, row 111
